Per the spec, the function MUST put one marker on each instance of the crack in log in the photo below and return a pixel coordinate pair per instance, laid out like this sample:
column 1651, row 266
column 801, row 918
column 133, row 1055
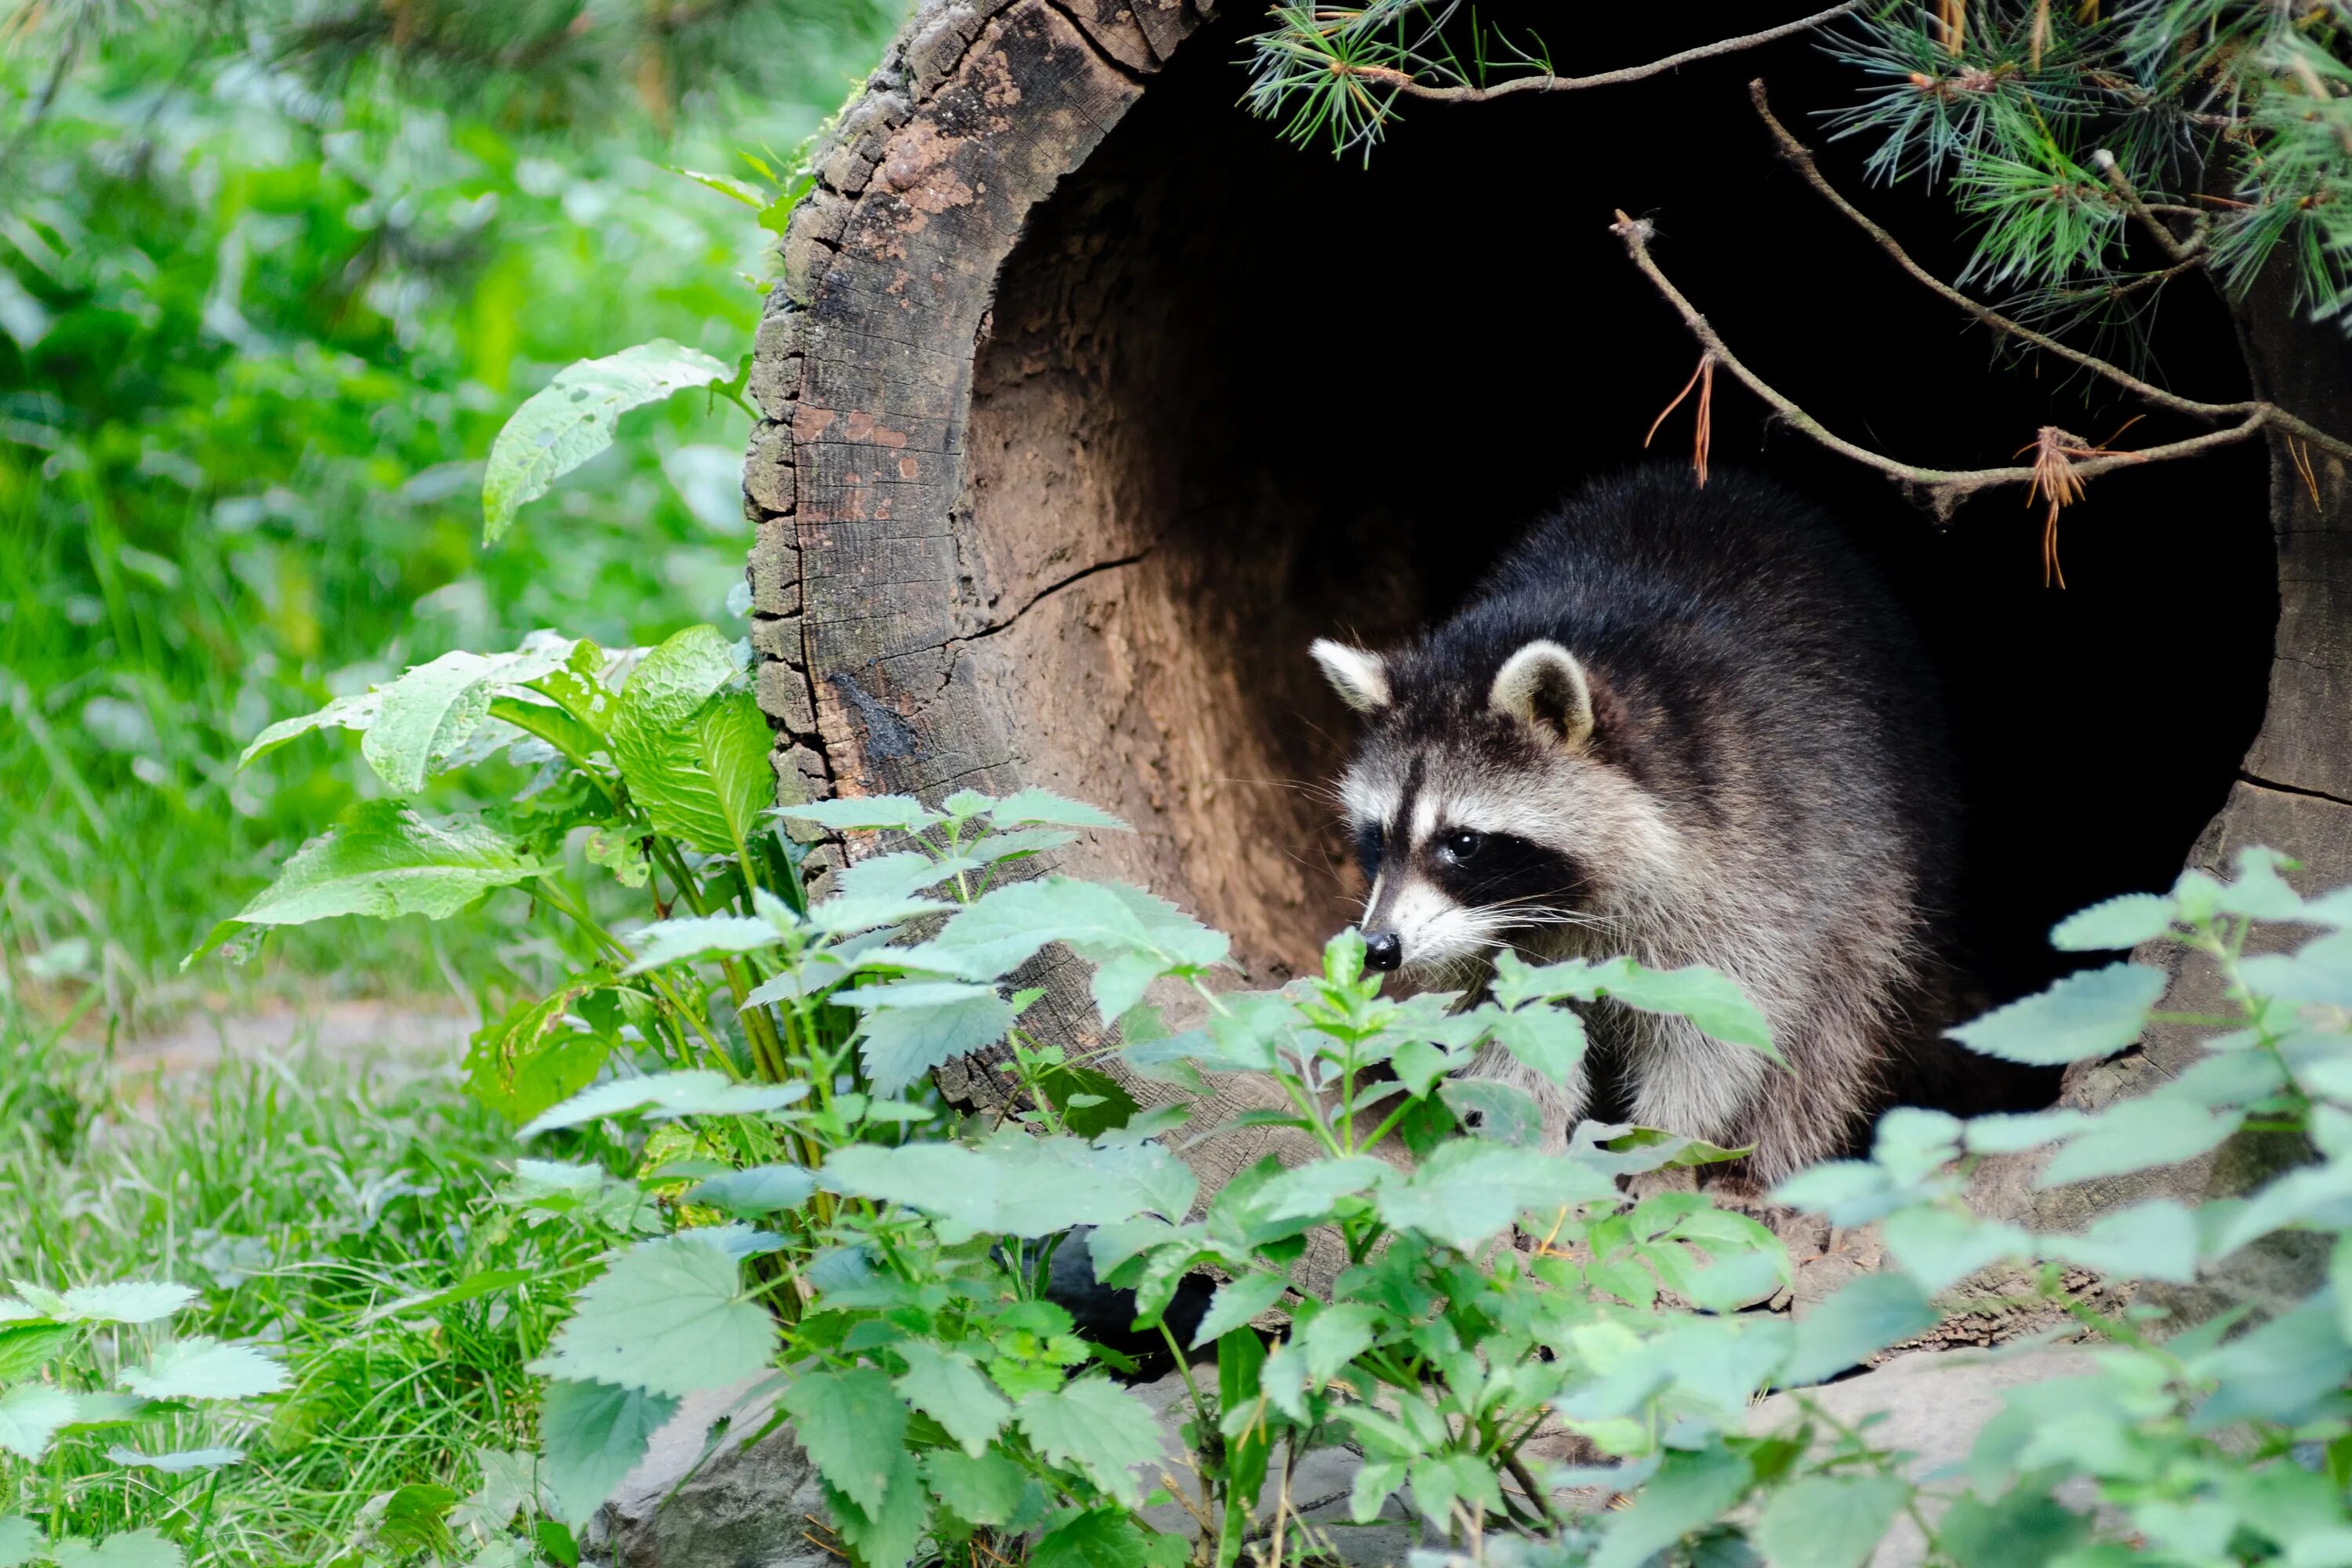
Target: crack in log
column 1048, row 591
column 2275, row 787
column 1093, row 45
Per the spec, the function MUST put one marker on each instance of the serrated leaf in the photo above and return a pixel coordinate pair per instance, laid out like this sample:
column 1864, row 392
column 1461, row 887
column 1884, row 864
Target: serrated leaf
column 1236, row 1302
column 424, row 716
column 510, row 1484
column 534, row 1057
column 591, row 1435
column 125, row 1301
column 1709, row 999
column 1939, row 1248
column 1007, row 926
column 1691, row 1488
column 673, row 940
column 1829, row 1521
column 692, row 743
column 26, row 1347
column 899, row 876
column 1863, row 1319
column 1469, row 1189
column 2151, row 1240
column 133, row 1548
column 854, row 1427
column 1096, row 1426
column 352, row 712
column 2136, row 1135
column 574, row 416
column 983, row 1489
column 697, row 1092
column 668, row 1317
column 998, row 847
column 30, row 1414
column 951, row 1390
column 181, row 1462
column 1488, row 1108
column 899, row 1043
column 1547, row 1040
column 1105, row 1538
column 762, row 1189
column 1312, row 1188
column 1016, row 1185
column 20, row 1540
column 885, row 1536
column 204, row 1368
column 2119, row 922
column 2096, row 1012
column 842, row 916
column 874, row 813
column 1336, row 1336
column 1040, row 807
column 382, row 860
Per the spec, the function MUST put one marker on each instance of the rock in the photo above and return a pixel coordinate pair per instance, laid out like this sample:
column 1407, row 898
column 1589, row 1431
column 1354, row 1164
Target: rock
column 750, row 1506
column 1935, row 1403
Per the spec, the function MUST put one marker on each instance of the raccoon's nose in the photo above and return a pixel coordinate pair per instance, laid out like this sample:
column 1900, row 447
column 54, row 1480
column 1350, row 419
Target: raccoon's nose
column 1383, row 951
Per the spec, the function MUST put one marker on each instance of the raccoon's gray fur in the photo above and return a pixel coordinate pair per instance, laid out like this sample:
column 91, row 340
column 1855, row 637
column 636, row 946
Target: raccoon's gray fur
column 1692, row 726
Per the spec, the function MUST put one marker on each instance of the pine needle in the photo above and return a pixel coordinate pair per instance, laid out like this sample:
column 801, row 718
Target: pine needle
column 2055, row 453
column 1703, row 436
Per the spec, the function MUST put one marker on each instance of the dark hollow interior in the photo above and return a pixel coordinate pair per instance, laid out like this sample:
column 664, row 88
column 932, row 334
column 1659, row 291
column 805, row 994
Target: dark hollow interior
column 1321, row 397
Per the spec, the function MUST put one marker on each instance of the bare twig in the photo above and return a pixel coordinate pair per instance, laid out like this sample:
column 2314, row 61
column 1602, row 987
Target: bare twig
column 2118, row 181
column 1942, row 488
column 1468, row 94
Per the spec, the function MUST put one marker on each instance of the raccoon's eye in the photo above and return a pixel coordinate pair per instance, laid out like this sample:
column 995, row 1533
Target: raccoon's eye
column 1462, row 846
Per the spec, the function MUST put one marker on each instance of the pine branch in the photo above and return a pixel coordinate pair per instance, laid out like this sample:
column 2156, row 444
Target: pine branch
column 1411, row 86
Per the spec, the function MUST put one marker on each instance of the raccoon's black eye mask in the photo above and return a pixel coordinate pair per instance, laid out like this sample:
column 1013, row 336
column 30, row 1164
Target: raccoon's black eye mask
column 1483, row 870
column 1369, row 841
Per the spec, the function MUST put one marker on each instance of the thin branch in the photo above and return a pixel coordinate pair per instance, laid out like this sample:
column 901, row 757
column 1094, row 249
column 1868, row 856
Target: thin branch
column 1942, row 488
column 1467, row 94
column 2118, row 181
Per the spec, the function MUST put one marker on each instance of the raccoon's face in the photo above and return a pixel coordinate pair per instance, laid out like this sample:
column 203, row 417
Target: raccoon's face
column 1485, row 820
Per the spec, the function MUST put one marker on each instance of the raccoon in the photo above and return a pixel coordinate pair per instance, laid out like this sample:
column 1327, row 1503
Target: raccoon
column 1689, row 725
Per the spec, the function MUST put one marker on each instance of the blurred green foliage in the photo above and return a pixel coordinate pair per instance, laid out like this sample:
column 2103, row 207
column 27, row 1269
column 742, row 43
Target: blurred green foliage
column 272, row 278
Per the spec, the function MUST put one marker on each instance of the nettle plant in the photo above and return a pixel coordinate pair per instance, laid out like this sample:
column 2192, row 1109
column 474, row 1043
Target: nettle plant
column 96, row 1366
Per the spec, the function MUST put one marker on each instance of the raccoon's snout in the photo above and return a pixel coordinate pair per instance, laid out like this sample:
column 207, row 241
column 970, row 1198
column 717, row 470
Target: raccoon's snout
column 1383, row 951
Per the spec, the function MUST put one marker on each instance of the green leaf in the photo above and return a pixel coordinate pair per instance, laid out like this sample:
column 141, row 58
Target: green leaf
column 510, row 1484
column 383, row 860
column 125, row 1301
column 354, row 712
column 1939, row 1248
column 574, row 416
column 1038, row 807
column 534, row 1057
column 2119, row 922
column 693, row 744
column 29, row 1346
column 668, row 1317
column 1105, row 1538
column 1016, row 1185
column 899, row 1043
column 426, row 715
column 1691, row 1488
column 1709, row 999
column 2136, row 1135
column 900, row 876
column 1441, row 1480
column 184, row 1461
column 1311, row 1189
column 1469, row 1189
column 2096, row 1012
column 1240, row 1355
column 874, row 813
column 854, row 1427
column 1545, row 1039
column 1007, row 926
column 1336, row 1336
column 134, row 1548
column 1829, row 1521
column 1864, row 1317
column 951, row 1390
column 662, row 1096
column 30, row 1414
column 673, row 940
column 593, row 1434
column 2024, row 1527
column 2151, row 1240
column 20, row 1540
column 204, row 1368
column 1096, row 1426
column 1493, row 1110
column 1236, row 1302
column 762, row 1189
column 983, row 1489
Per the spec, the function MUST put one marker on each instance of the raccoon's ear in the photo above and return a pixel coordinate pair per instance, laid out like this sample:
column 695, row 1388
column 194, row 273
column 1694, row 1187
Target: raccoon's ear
column 1360, row 678
column 1543, row 687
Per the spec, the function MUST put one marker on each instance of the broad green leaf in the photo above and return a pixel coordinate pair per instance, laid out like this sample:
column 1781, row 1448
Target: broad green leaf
column 1039, row 807
column 854, row 1427
column 999, row 847
column 1440, row 1481
column 762, row 1189
column 1241, row 1356
column 1490, row 1108
column 1236, row 1302
column 884, row 1536
column 30, row 1414
column 2320, row 972
column 354, row 712
column 1864, row 1317
column 2023, row 1528
column 1691, row 1488
column 1336, row 1336
column 1007, row 926
column 1939, row 1248
column 2136, row 1135
column 668, row 1317
column 2321, row 1192
column 126, row 1302
column 1016, row 1185
column 573, row 417
column 20, row 1540
column 383, row 860
column 673, row 940
column 692, row 743
column 26, row 1347
column 133, row 1548
column 1545, row 1039
column 1469, row 1189
column 1105, row 1538
column 2151, row 1240
column 510, row 1484
column 179, row 1463
column 2093, row 1014
column 1911, row 1143
column 899, row 1043
column 204, row 1368
column 697, row 1092
column 1849, row 1192
column 983, row 1489
column 1709, row 999
column 591, row 1435
column 1096, row 1426
column 899, row 876
column 1311, row 1189
column 1829, row 1521
column 2119, row 922
column 951, row 1390
column 424, row 716
column 842, row 916
column 534, row 1057
column 2011, row 1134
column 2285, row 1370
column 874, row 813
